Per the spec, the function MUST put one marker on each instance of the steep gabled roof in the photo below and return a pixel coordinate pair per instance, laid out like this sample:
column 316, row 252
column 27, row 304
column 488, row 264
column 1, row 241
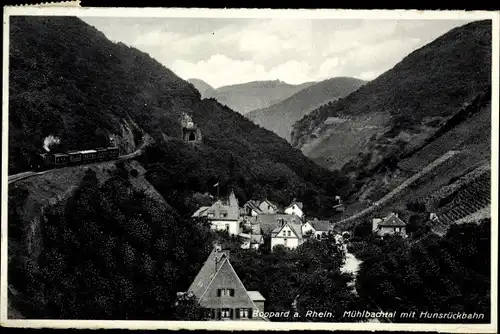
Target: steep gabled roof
column 256, row 296
column 200, row 211
column 320, row 225
column 296, row 228
column 207, row 272
column 299, row 204
column 270, row 203
column 254, row 206
column 268, row 222
column 392, row 220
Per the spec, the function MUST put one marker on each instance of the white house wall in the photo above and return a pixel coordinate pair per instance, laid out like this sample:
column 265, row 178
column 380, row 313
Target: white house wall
column 294, row 210
column 234, row 226
column 288, row 234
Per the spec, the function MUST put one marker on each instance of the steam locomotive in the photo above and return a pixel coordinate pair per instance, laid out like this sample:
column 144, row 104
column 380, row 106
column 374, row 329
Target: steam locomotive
column 43, row 161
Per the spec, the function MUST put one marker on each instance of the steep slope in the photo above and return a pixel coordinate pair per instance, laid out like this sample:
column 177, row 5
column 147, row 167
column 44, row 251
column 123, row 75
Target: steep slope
column 281, row 116
column 257, row 94
column 205, row 89
column 404, row 106
column 67, row 80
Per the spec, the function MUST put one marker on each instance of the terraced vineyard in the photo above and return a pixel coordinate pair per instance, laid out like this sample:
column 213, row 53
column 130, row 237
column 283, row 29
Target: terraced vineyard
column 471, row 198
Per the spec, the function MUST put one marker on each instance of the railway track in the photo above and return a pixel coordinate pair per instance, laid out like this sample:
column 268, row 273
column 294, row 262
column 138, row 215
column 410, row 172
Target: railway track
column 384, row 200
column 24, row 175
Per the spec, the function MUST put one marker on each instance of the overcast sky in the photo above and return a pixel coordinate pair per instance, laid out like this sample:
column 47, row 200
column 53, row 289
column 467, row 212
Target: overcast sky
column 229, row 51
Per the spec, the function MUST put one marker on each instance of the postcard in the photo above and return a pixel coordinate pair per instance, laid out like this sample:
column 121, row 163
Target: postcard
column 250, row 169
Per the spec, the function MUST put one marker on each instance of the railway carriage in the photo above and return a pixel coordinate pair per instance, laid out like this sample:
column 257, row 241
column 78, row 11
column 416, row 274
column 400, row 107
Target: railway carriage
column 88, row 155
column 61, row 159
column 101, row 153
column 113, row 152
column 43, row 161
column 75, row 157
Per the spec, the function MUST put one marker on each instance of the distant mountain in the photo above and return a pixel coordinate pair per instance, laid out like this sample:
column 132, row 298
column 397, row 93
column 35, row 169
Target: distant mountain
column 280, row 116
column 205, row 89
column 256, row 94
column 399, row 110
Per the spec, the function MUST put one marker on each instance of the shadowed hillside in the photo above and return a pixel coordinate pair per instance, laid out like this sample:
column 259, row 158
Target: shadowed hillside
column 67, row 80
column 400, row 109
column 281, row 116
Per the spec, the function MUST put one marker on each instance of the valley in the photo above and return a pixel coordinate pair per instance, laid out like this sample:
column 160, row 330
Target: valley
column 338, row 194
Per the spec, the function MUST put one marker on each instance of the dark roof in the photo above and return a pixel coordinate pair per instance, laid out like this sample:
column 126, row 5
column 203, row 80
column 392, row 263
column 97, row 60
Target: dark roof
column 296, row 228
column 320, row 225
column 207, row 273
column 268, row 222
column 392, row 220
column 270, row 203
column 299, row 204
column 253, row 205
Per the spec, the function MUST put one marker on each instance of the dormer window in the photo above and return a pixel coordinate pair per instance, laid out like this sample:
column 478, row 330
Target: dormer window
column 210, row 215
column 223, row 214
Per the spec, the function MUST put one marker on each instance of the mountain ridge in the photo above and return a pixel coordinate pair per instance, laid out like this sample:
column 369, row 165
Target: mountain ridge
column 399, row 109
column 281, row 116
column 244, row 97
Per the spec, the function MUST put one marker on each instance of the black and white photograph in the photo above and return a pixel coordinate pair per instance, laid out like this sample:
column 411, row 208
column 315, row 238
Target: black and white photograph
column 239, row 169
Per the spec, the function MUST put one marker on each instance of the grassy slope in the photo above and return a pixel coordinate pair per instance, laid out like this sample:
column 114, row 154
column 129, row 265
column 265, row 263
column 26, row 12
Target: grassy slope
column 411, row 100
column 281, row 116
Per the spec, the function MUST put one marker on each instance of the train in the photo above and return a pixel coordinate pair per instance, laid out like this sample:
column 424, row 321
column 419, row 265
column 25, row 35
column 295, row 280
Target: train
column 44, row 161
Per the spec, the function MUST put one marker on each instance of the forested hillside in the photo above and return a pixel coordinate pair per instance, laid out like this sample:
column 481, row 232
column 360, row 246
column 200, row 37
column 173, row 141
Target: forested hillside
column 67, row 80
column 403, row 107
column 281, row 116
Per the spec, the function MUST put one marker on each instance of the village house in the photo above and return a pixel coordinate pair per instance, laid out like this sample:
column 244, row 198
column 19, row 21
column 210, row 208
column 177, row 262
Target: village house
column 295, row 208
column 268, row 207
column 254, row 208
column 223, row 215
column 287, row 233
column 317, row 228
column 391, row 224
column 221, row 293
column 251, row 241
column 251, row 236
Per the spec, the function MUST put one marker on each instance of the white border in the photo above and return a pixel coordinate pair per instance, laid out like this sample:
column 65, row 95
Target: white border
column 255, row 13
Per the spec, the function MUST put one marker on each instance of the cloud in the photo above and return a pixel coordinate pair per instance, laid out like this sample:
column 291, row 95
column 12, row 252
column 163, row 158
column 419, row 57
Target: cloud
column 229, row 51
column 232, row 71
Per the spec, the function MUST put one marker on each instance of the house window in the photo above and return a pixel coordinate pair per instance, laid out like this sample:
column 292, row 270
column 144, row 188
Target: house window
column 225, row 313
column 284, row 233
column 318, row 236
column 289, row 233
column 223, row 214
column 285, row 241
column 225, row 292
column 398, row 229
column 227, row 227
column 210, row 215
column 244, row 313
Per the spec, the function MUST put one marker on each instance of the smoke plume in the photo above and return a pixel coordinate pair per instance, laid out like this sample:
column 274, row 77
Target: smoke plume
column 48, row 141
